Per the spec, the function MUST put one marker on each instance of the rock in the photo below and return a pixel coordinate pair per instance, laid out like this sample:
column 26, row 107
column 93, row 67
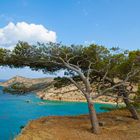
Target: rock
column 102, row 123
column 22, row 126
column 118, row 118
column 41, row 103
column 28, row 101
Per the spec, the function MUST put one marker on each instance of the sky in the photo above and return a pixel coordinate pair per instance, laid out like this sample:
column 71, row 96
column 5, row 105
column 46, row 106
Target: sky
column 112, row 23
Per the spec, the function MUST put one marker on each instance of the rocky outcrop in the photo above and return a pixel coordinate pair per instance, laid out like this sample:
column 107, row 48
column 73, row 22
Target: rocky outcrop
column 69, row 93
column 46, row 90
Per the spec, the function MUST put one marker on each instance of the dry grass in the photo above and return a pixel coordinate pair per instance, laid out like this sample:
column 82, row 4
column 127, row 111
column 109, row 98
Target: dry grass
column 118, row 126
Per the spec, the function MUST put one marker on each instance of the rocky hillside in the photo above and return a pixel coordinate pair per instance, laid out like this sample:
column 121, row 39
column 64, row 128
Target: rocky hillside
column 46, row 89
column 21, row 84
column 25, row 80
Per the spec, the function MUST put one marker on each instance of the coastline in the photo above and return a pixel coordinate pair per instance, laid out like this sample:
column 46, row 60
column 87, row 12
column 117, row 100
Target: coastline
column 82, row 101
column 67, row 94
column 74, row 98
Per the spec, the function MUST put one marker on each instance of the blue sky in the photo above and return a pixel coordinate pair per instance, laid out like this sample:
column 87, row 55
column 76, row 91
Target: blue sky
column 106, row 22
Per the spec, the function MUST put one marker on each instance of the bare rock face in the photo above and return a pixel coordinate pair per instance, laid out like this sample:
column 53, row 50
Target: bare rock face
column 46, row 90
column 102, row 123
column 67, row 93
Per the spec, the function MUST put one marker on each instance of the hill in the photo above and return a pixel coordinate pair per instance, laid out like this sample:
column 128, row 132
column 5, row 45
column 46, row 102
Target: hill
column 45, row 89
column 25, row 80
column 20, row 84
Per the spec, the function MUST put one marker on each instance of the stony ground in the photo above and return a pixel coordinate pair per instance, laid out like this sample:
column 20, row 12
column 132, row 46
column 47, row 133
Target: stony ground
column 118, row 125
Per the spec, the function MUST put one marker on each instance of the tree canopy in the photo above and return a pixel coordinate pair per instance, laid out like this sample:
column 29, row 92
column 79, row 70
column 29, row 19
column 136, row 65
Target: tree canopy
column 83, row 66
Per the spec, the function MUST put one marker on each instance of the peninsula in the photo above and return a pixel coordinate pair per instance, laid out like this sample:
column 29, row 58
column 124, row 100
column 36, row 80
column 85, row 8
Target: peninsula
column 46, row 90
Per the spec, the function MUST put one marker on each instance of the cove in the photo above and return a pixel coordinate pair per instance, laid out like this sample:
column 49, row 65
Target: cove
column 17, row 111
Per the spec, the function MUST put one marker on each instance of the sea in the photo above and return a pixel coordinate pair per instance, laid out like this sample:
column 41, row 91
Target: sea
column 17, row 110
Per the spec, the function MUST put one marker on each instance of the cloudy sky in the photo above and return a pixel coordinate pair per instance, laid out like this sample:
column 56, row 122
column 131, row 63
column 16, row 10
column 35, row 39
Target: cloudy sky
column 13, row 32
column 106, row 22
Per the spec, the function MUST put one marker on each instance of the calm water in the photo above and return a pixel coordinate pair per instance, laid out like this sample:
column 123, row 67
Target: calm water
column 15, row 111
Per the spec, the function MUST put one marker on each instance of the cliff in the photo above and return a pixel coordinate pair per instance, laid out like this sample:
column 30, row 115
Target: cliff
column 117, row 125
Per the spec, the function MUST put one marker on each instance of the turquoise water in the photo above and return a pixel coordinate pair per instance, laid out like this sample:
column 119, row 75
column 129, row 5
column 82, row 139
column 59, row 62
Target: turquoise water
column 15, row 111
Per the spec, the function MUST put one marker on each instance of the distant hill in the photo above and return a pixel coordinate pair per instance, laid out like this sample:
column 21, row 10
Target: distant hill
column 46, row 89
column 25, row 80
column 21, row 84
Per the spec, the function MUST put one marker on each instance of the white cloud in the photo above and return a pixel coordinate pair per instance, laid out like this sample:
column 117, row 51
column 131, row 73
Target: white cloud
column 22, row 31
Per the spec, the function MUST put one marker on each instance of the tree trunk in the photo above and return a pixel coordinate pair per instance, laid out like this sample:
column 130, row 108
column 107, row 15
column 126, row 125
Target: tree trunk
column 93, row 116
column 129, row 106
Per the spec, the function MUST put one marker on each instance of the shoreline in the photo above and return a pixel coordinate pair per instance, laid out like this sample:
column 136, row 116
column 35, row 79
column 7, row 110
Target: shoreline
column 100, row 102
column 78, row 100
column 66, row 94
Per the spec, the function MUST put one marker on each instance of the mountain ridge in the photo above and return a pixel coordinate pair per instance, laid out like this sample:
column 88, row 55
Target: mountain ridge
column 27, row 81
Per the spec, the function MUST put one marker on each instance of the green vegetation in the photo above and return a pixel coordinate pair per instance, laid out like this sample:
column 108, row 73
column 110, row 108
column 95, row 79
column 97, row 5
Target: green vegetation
column 112, row 72
column 16, row 88
column 24, row 88
column 112, row 108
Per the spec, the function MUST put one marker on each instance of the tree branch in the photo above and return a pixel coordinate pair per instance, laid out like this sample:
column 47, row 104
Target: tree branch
column 77, row 85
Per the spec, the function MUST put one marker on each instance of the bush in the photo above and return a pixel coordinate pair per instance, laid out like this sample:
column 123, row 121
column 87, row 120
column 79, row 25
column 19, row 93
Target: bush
column 16, row 88
column 60, row 82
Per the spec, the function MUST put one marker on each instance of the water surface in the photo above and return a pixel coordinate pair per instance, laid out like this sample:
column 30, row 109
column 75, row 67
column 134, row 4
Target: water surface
column 17, row 111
